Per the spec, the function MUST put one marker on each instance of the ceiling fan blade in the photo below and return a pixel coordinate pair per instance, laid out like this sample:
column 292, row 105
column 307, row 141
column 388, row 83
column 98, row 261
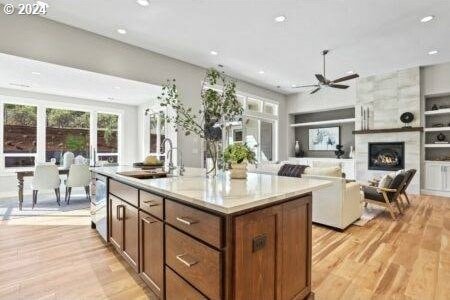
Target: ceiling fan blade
column 345, row 78
column 315, row 90
column 339, row 86
column 304, row 86
column 321, row 78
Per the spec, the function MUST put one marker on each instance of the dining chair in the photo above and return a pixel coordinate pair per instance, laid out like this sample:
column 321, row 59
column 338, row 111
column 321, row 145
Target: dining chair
column 79, row 176
column 46, row 177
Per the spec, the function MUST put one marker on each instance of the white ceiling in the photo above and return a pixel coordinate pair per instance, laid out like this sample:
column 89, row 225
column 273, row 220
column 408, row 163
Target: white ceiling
column 368, row 36
column 41, row 77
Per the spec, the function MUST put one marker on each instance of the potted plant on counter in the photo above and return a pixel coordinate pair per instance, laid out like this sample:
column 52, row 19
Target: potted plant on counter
column 238, row 155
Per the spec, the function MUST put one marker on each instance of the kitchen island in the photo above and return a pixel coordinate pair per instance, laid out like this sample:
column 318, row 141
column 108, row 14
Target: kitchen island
column 193, row 237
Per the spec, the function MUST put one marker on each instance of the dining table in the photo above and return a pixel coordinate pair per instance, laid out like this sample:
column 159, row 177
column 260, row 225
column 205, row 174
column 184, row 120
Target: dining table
column 21, row 174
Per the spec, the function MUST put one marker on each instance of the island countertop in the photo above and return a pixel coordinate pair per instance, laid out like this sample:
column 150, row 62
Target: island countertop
column 220, row 193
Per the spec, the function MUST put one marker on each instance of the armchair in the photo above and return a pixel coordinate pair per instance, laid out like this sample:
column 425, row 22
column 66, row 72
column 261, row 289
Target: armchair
column 386, row 196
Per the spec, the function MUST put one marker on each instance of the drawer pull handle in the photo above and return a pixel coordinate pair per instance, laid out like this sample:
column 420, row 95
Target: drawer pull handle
column 186, row 221
column 151, row 203
column 184, row 258
column 148, row 220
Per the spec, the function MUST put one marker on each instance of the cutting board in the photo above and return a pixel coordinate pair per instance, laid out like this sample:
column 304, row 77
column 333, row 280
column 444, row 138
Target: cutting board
column 143, row 174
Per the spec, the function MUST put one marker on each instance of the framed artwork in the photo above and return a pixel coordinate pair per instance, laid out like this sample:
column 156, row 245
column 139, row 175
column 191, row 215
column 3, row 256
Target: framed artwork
column 323, row 138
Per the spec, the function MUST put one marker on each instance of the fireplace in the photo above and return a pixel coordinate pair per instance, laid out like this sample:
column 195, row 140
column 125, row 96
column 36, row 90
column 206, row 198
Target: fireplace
column 387, row 156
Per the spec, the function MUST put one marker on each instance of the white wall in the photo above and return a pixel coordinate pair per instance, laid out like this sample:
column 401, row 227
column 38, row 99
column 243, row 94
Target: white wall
column 435, row 79
column 45, row 40
column 129, row 136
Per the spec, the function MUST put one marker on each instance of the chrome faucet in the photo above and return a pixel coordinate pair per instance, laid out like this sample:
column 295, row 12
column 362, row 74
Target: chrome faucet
column 169, row 153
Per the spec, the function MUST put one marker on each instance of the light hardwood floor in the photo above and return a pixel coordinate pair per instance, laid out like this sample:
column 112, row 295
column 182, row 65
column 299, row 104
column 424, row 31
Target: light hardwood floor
column 62, row 258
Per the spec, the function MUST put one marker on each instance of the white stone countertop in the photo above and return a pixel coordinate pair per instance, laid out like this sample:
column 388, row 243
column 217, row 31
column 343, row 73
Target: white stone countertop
column 220, row 193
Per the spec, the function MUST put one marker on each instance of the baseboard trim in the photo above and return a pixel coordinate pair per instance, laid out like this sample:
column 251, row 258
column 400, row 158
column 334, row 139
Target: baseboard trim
column 435, row 193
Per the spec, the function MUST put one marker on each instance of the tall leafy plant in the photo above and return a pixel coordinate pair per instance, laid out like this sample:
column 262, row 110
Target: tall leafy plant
column 217, row 107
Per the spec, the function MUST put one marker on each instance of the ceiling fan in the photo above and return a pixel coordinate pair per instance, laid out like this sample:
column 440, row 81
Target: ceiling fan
column 323, row 81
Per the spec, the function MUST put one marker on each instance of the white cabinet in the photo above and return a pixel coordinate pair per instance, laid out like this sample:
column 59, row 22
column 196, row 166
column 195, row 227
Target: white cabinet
column 437, row 176
column 446, row 177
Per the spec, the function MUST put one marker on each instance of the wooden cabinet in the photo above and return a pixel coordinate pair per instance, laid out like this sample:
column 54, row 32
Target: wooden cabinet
column 115, row 223
column 179, row 289
column 123, row 224
column 152, row 252
column 130, row 243
column 152, row 204
column 273, row 252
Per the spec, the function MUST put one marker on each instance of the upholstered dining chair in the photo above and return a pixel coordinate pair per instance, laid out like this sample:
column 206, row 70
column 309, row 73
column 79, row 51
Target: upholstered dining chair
column 46, row 177
column 386, row 196
column 409, row 176
column 79, row 176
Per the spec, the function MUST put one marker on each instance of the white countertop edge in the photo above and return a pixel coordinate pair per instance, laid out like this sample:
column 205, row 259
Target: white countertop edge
column 140, row 183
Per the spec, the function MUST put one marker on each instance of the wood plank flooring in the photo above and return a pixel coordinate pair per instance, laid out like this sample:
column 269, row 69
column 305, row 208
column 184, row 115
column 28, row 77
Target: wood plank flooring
column 62, row 258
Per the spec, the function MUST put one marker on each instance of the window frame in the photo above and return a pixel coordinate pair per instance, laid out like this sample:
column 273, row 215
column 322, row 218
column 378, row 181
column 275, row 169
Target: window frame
column 42, row 105
column 94, row 135
column 154, row 110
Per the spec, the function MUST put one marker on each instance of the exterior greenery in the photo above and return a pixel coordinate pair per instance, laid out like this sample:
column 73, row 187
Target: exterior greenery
column 23, row 115
column 238, row 153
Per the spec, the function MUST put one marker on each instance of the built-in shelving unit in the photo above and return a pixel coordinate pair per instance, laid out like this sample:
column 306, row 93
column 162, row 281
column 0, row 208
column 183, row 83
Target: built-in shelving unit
column 318, row 123
column 437, row 129
column 443, row 111
column 437, row 145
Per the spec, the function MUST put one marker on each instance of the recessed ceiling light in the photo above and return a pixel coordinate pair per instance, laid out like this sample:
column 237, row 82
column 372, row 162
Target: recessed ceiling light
column 117, row 87
column 143, row 2
column 426, row 19
column 350, row 72
column 280, row 19
column 212, row 52
column 42, row 4
column 433, row 52
column 121, row 31
column 220, row 65
column 35, row 73
column 261, row 72
column 110, row 98
column 294, row 85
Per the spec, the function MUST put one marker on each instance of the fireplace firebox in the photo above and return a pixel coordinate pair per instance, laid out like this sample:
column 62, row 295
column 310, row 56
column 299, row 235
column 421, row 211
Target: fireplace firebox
column 387, row 156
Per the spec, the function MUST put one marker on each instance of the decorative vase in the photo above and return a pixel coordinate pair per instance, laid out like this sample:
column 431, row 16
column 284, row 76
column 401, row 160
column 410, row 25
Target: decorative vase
column 297, row 149
column 352, row 152
column 339, row 152
column 441, row 137
column 68, row 159
column 434, row 107
column 212, row 160
column 238, row 171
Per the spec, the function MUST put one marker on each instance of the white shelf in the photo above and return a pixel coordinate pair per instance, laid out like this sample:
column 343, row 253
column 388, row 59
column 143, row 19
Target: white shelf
column 338, row 121
column 437, row 145
column 443, row 111
column 438, row 129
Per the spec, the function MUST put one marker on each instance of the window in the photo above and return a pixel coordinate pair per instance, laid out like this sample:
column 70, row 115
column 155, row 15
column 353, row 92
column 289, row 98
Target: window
column 66, row 130
column 252, row 134
column 19, row 135
column 107, row 137
column 271, row 109
column 157, row 132
column 266, row 141
column 254, row 104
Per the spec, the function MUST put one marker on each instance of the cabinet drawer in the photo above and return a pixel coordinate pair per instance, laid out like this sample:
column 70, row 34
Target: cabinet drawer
column 151, row 203
column 202, row 225
column 123, row 191
column 178, row 289
column 199, row 264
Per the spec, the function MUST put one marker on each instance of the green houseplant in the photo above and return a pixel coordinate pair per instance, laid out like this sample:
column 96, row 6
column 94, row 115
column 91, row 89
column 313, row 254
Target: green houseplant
column 238, row 155
column 207, row 122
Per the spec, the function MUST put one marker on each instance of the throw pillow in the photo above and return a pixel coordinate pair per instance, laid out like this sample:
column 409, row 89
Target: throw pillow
column 385, row 182
column 332, row 171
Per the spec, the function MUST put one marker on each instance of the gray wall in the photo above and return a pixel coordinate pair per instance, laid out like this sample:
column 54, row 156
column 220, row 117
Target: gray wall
column 346, row 136
column 45, row 40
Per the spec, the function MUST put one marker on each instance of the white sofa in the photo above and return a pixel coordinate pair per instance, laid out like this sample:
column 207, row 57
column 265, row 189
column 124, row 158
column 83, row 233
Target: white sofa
column 338, row 205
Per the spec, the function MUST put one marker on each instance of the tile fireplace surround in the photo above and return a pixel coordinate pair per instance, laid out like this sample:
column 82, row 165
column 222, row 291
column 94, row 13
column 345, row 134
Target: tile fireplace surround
column 388, row 96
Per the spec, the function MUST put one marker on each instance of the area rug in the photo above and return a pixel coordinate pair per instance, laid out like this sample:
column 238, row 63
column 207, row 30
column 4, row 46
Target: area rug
column 46, row 205
column 369, row 213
